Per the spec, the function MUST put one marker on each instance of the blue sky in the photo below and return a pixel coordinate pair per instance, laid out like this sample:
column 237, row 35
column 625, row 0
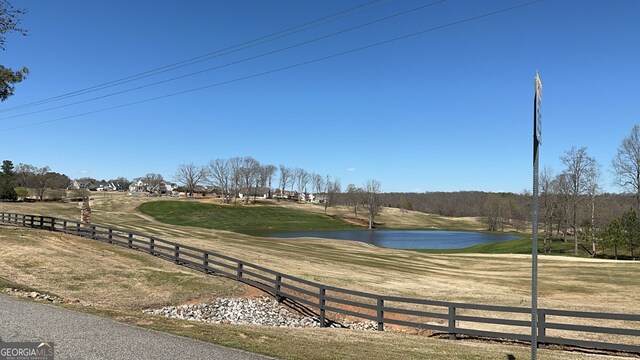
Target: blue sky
column 446, row 110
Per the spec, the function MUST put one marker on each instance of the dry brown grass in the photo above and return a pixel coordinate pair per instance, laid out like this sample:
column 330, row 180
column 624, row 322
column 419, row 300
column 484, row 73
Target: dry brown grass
column 100, row 274
column 566, row 283
column 397, row 218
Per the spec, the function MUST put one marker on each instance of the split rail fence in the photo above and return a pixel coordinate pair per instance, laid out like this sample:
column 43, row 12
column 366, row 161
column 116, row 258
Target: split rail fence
column 592, row 330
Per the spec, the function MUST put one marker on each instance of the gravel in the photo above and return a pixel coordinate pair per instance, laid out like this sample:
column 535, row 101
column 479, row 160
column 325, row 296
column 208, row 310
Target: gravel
column 262, row 311
column 241, row 311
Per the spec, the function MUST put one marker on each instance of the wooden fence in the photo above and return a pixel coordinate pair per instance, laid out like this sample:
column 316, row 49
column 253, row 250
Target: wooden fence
column 604, row 331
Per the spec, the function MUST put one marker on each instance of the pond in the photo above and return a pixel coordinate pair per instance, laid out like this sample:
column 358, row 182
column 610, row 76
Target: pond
column 404, row 239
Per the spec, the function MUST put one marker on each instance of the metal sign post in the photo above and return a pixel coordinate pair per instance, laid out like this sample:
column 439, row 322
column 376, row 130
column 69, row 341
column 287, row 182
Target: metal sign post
column 537, row 140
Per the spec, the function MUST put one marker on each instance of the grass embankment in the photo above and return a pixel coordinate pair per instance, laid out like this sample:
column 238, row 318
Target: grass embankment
column 116, row 283
column 100, row 274
column 239, row 218
column 516, row 246
column 252, row 219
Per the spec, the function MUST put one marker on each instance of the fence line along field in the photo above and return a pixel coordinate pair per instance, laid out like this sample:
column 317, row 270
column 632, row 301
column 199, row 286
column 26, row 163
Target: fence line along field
column 566, row 283
column 607, row 332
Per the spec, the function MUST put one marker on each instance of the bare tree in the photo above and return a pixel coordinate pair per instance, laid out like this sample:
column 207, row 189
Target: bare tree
column 593, row 189
column 249, row 174
column 267, row 173
column 333, row 188
column 626, row 164
column 301, row 178
column 579, row 166
column 219, row 175
column 561, row 190
column 354, row 198
column 317, row 182
column 546, row 203
column 285, row 178
column 190, row 176
column 24, row 174
column 152, row 180
column 235, row 164
column 372, row 200
column 40, row 180
column 495, row 212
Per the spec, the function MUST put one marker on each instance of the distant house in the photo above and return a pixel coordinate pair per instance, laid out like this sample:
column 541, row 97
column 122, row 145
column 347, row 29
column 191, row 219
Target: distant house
column 319, row 198
column 279, row 194
column 138, row 186
column 83, row 185
column 260, row 192
column 164, row 188
column 106, row 186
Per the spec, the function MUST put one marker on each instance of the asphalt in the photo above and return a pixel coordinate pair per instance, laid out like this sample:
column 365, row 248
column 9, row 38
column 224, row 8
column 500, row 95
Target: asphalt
column 82, row 336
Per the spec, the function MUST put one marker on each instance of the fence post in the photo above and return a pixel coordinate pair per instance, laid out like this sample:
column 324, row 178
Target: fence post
column 64, row 226
column 542, row 326
column 322, row 303
column 110, row 236
column 78, row 229
column 452, row 323
column 31, row 221
column 239, row 271
column 53, row 224
column 93, row 232
column 205, row 262
column 278, row 287
column 379, row 308
column 151, row 246
column 176, row 254
column 41, row 222
column 130, row 241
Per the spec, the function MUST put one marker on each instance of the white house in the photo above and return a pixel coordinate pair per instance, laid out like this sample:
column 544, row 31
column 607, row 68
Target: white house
column 138, row 186
column 106, row 186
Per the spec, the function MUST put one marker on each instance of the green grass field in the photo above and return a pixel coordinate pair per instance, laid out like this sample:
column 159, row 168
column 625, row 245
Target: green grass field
column 239, row 218
column 517, row 246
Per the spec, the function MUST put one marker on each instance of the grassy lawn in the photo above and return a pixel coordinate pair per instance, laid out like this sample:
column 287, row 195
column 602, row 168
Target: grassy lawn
column 516, row 246
column 239, row 218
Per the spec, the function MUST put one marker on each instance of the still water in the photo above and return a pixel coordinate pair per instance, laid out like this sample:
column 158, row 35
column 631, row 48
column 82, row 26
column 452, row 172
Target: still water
column 404, row 239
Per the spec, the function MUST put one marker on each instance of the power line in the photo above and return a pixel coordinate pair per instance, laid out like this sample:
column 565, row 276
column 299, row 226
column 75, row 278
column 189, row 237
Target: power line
column 440, row 27
column 198, row 59
column 306, row 42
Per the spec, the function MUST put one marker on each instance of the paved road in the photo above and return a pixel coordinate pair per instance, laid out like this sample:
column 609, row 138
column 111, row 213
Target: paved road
column 83, row 336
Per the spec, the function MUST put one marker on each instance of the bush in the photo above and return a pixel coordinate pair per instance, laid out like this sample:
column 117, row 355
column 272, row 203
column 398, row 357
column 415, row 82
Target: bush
column 9, row 194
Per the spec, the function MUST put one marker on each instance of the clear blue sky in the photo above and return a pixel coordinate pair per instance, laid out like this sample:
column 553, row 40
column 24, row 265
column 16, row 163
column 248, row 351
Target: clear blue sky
column 447, row 110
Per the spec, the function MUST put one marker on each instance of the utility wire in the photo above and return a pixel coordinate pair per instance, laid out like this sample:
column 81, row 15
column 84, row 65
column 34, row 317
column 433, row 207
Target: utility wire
column 440, row 27
column 195, row 60
column 231, row 63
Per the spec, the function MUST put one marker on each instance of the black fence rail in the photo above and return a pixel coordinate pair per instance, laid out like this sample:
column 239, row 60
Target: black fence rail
column 603, row 331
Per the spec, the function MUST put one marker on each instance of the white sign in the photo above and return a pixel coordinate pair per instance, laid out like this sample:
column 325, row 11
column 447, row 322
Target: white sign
column 537, row 125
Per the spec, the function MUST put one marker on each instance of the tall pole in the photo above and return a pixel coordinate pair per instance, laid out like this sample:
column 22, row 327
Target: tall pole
column 537, row 138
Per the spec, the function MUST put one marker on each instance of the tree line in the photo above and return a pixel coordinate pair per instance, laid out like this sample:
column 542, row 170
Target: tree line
column 24, row 180
column 572, row 204
column 234, row 176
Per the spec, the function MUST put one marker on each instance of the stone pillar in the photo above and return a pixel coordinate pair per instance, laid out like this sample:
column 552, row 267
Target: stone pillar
column 85, row 212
